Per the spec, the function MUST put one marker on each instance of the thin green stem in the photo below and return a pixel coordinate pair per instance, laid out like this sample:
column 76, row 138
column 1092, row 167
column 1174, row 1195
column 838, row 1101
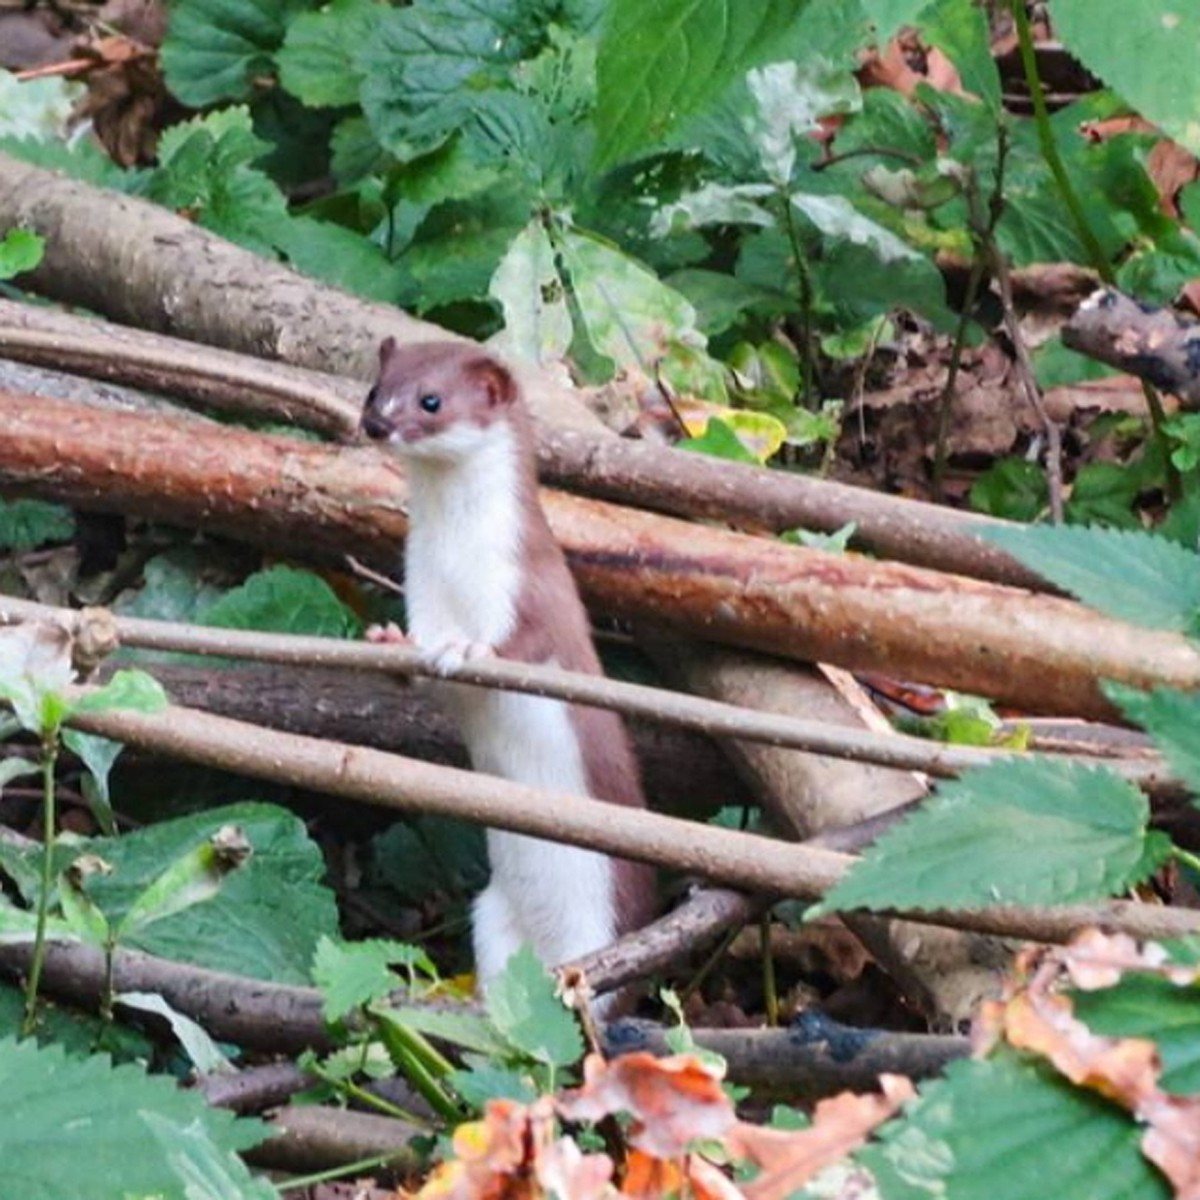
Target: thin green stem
column 1050, row 147
column 49, row 818
column 361, row 1167
column 354, row 1091
column 1186, row 857
column 770, row 986
column 804, row 280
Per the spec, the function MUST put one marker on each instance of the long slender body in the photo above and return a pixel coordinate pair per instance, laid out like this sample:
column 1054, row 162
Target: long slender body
column 483, row 573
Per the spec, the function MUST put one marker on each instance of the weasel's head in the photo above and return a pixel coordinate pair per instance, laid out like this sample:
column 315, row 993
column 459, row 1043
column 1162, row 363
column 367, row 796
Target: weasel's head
column 437, row 401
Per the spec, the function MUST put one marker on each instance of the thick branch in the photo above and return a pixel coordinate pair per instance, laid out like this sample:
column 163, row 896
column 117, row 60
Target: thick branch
column 1156, row 344
column 631, row 472
column 1038, row 652
column 743, row 860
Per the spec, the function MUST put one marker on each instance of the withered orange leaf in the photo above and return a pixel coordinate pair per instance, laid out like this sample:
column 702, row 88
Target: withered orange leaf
column 673, row 1101
column 790, row 1158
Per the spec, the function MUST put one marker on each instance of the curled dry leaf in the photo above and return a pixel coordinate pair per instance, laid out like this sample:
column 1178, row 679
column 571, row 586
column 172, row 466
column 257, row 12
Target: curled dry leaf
column 790, row 1158
column 1097, row 960
column 673, row 1101
column 1172, row 1141
column 512, row 1154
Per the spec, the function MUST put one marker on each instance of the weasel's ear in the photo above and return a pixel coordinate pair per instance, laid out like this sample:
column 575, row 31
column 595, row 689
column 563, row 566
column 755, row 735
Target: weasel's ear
column 386, row 349
column 496, row 380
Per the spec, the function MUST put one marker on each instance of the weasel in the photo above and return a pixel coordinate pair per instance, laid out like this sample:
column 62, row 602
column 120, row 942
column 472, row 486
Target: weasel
column 484, row 574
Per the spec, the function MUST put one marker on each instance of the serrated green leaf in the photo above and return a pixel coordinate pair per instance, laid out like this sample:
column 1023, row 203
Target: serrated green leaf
column 265, row 919
column 1173, row 719
column 959, row 28
column 353, row 974
column 658, row 63
column 537, row 325
column 1146, row 52
column 1143, row 1005
column 337, row 255
column 485, row 1081
column 138, row 1134
column 215, row 49
column 1136, row 577
column 426, row 68
column 1007, row 1129
column 317, row 60
column 1018, row 832
column 1013, row 488
column 284, row 600
column 464, row 1030
column 523, row 1007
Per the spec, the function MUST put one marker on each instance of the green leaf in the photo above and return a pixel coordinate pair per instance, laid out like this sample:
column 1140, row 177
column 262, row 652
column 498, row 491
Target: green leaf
column 130, row 1134
column 524, row 1009
column 354, row 974
column 836, row 217
column 284, row 600
column 1007, row 1129
column 1135, row 577
column 718, row 441
column 889, row 16
column 1014, row 488
column 1172, row 719
column 192, row 878
column 959, row 28
column 658, row 63
column 78, row 909
column 1146, row 1006
column 1024, row 831
column 37, row 108
column 628, row 313
column 205, row 169
column 1144, row 51
column 486, row 1081
column 339, row 256
column 537, row 325
column 28, row 524
column 317, row 60
column 428, row 65
column 20, row 251
column 35, row 668
column 126, row 689
column 266, row 918
column 203, row 1052
column 1104, row 493
column 215, row 49
column 466, row 1030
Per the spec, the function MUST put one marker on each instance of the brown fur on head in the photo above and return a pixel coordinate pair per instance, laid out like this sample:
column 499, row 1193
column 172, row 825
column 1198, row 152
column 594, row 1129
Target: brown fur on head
column 435, row 399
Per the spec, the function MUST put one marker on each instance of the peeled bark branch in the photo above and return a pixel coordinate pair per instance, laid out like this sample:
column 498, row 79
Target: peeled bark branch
column 1156, row 344
column 624, row 471
column 1040, row 653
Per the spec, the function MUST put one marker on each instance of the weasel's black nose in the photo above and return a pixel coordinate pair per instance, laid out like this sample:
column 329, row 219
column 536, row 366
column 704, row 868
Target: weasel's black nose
column 374, row 426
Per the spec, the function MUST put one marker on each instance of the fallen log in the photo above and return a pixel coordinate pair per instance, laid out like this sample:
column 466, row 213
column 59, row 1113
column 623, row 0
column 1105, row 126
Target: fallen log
column 1041, row 653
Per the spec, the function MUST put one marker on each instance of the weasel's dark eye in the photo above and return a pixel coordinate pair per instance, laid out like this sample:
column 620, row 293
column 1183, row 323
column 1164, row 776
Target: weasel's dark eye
column 430, row 404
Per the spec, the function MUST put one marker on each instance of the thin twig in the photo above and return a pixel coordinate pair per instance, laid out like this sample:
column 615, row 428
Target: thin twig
column 657, row 704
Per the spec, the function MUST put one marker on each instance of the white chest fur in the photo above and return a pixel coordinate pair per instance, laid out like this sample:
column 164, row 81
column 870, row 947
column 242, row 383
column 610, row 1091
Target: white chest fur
column 463, row 575
column 462, row 562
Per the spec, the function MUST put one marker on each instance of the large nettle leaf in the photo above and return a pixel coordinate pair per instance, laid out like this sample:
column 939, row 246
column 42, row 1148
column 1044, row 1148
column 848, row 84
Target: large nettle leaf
column 1133, row 576
column 284, row 600
column 317, row 61
column 1173, row 720
column 1019, row 832
column 428, row 63
column 215, row 48
column 264, row 920
column 129, row 1133
column 1006, row 1129
column 660, row 61
column 1145, row 51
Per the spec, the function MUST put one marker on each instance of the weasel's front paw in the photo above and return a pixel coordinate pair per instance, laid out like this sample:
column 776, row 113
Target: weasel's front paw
column 449, row 656
column 389, row 634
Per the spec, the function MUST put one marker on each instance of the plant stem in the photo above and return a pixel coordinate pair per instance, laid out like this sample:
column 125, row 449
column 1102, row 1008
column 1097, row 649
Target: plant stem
column 770, row 988
column 1050, row 147
column 1187, row 858
column 49, row 759
column 361, row 1167
column 804, row 279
